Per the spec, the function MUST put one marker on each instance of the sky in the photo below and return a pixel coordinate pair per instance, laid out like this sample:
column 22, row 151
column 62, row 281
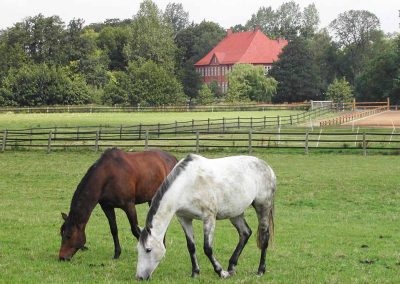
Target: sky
column 227, row 13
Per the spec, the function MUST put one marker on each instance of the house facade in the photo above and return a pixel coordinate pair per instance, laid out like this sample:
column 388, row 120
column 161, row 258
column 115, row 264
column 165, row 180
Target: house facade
column 251, row 47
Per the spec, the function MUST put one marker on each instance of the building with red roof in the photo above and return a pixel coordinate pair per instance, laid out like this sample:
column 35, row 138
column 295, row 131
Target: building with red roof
column 251, row 47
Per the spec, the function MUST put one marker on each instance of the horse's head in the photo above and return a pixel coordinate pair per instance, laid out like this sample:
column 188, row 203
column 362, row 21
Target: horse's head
column 150, row 253
column 72, row 238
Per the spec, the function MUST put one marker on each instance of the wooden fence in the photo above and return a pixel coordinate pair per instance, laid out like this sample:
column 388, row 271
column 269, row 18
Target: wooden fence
column 352, row 116
column 200, row 141
column 181, row 108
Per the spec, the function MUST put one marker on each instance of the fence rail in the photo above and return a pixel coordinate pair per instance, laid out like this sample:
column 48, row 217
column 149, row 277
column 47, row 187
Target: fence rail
column 202, row 140
column 192, row 108
column 353, row 116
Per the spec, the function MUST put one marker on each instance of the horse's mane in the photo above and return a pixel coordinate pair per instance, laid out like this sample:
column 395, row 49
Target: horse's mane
column 155, row 202
column 76, row 198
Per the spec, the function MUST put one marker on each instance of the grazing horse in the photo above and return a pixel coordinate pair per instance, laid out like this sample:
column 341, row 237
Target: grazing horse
column 117, row 180
column 209, row 189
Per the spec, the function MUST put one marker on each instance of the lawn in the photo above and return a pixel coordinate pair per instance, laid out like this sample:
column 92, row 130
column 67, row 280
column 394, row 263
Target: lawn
column 337, row 221
column 17, row 121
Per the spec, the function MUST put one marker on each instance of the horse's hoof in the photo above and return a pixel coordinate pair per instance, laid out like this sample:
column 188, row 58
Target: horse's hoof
column 231, row 272
column 260, row 273
column 224, row 274
column 195, row 274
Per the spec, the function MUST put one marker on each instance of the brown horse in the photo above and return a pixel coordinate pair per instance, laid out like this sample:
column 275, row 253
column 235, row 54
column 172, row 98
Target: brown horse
column 117, row 180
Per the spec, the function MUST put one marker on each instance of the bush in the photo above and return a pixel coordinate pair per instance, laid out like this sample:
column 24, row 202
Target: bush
column 39, row 84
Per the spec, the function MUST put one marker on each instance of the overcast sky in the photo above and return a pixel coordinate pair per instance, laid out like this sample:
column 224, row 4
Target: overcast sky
column 225, row 12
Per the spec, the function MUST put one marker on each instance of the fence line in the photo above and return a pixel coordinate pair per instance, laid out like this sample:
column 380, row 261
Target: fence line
column 181, row 108
column 243, row 140
column 352, row 116
column 217, row 124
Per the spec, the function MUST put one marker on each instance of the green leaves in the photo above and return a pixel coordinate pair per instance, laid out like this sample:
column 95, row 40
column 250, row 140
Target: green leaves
column 248, row 83
column 340, row 91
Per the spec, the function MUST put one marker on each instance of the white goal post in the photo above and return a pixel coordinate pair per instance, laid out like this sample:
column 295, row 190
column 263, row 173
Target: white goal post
column 321, row 104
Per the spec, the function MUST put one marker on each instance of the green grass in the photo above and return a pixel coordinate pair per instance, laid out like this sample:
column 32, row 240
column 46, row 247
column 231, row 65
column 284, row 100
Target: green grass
column 17, row 121
column 337, row 221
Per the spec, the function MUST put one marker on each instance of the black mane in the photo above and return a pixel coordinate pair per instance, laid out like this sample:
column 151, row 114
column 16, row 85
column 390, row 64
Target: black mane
column 82, row 186
column 155, row 203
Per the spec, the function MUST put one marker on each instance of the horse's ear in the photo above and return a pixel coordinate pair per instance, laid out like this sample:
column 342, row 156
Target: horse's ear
column 64, row 216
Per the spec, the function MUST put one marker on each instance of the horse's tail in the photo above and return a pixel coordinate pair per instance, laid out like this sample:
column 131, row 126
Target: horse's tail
column 262, row 233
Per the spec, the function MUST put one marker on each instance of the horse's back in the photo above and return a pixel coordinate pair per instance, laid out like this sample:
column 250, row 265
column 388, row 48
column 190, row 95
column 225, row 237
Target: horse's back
column 230, row 185
column 135, row 175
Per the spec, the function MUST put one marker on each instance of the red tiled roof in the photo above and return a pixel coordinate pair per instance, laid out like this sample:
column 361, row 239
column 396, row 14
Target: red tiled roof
column 245, row 47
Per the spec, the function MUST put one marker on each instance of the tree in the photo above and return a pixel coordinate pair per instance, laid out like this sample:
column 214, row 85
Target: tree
column 118, row 90
column 248, row 83
column 154, row 85
column 327, row 58
column 340, row 91
column 42, row 38
column 355, row 28
column 377, row 80
column 309, row 21
column 355, row 31
column 40, row 84
column 266, row 19
column 193, row 43
column 296, row 73
column 289, row 19
column 205, row 96
column 113, row 40
column 151, row 38
column 176, row 16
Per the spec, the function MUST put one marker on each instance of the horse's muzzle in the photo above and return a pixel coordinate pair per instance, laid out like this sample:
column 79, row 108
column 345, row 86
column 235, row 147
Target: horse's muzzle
column 64, row 258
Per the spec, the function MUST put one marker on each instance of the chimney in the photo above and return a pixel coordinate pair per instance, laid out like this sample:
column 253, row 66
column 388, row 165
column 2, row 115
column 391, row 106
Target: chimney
column 229, row 32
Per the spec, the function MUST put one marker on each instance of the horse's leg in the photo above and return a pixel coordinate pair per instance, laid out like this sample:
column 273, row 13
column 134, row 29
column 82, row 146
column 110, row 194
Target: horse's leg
column 263, row 234
column 188, row 229
column 110, row 214
column 208, row 227
column 130, row 211
column 244, row 234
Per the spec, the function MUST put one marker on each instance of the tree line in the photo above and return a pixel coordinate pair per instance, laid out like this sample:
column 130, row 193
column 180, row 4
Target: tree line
column 149, row 60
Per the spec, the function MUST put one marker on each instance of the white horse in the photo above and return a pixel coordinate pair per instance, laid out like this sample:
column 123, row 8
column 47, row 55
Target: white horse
column 209, row 189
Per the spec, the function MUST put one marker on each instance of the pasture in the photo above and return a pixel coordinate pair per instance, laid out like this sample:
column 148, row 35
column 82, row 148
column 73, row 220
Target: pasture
column 18, row 121
column 336, row 221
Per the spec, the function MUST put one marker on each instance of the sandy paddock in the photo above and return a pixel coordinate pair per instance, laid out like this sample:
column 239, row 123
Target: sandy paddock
column 383, row 119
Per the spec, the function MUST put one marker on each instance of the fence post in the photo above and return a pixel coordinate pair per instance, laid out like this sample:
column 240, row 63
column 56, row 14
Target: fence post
column 223, row 125
column 120, row 132
column 96, row 143
column 146, row 141
column 264, row 120
column 364, row 145
column 3, row 146
column 238, row 122
column 140, row 131
column 278, row 118
column 291, row 120
column 306, row 143
column 251, row 122
column 197, row 142
column 49, row 142
column 208, row 124
column 250, row 141
column 30, row 137
column 77, row 133
column 158, row 130
column 192, row 125
column 176, row 126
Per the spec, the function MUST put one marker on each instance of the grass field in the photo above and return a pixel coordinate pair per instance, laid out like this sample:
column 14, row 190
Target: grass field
column 337, row 221
column 17, row 121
